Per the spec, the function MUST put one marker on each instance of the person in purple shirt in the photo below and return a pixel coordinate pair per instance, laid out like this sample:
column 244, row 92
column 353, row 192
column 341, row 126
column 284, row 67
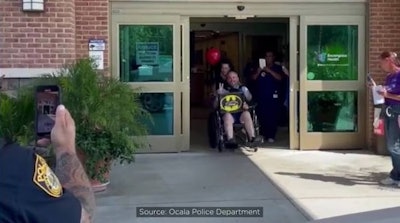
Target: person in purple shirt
column 391, row 92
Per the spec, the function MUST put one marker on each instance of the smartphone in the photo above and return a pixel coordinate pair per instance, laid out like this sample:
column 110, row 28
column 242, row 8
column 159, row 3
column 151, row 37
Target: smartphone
column 370, row 80
column 262, row 63
column 47, row 98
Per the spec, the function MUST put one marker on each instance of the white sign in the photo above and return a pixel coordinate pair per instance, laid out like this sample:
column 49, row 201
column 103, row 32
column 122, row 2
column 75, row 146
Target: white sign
column 98, row 58
column 147, row 53
column 378, row 99
column 97, row 44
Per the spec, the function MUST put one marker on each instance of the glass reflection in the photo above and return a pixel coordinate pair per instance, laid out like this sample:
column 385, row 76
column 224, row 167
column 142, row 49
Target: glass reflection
column 146, row 53
column 161, row 109
column 332, row 111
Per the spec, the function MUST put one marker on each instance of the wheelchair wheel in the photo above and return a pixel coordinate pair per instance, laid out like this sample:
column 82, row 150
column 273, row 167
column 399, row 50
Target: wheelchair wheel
column 212, row 130
column 220, row 135
column 220, row 145
column 256, row 124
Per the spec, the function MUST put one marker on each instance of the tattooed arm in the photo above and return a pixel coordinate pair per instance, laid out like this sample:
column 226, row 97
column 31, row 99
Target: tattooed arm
column 72, row 176
column 69, row 169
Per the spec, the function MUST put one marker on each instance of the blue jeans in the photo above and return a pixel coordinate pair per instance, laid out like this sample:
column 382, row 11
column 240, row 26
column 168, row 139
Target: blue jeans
column 392, row 134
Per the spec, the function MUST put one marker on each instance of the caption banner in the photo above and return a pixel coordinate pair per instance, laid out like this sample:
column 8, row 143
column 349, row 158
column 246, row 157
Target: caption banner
column 199, row 212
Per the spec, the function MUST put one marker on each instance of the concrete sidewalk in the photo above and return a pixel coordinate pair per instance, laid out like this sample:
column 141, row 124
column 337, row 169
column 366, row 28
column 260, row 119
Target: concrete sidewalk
column 330, row 183
column 291, row 186
column 199, row 179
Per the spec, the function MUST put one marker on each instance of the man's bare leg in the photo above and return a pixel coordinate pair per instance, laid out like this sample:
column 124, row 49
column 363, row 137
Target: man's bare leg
column 228, row 125
column 248, row 123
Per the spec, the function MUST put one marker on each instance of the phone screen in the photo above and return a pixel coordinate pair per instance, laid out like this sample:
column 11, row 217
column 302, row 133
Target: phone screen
column 47, row 100
column 262, row 63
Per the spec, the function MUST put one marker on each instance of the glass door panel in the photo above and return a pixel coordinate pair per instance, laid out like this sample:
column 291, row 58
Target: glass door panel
column 161, row 109
column 332, row 111
column 146, row 53
column 332, row 81
column 332, row 52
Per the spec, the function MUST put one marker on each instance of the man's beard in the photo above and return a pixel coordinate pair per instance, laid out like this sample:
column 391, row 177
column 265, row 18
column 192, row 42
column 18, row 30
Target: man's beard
column 236, row 86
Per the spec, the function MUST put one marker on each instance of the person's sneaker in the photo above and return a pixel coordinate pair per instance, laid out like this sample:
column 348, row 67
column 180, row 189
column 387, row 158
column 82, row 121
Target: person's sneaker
column 389, row 181
column 232, row 140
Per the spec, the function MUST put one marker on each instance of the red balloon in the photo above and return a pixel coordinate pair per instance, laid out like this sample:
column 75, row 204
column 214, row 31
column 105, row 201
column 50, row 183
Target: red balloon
column 213, row 56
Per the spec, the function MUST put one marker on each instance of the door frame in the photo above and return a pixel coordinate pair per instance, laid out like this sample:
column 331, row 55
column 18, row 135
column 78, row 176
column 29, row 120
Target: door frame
column 184, row 11
column 294, row 85
column 332, row 140
column 179, row 141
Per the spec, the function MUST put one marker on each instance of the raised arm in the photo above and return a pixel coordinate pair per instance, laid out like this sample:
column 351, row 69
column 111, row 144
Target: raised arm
column 72, row 176
column 220, row 91
column 276, row 75
column 255, row 75
column 69, row 169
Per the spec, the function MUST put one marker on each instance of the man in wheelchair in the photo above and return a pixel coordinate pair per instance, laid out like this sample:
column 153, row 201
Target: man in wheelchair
column 232, row 103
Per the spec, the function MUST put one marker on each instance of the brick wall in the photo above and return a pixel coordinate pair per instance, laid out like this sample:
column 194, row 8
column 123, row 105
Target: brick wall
column 52, row 38
column 384, row 35
column 37, row 40
column 91, row 23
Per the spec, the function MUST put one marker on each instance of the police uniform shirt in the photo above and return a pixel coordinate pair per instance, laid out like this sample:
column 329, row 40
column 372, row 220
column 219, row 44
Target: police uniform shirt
column 31, row 192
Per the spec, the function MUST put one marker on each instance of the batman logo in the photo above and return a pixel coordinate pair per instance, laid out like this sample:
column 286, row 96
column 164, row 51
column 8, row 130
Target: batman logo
column 231, row 103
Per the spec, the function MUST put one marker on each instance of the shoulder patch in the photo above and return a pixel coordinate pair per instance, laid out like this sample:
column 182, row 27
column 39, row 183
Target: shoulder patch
column 46, row 179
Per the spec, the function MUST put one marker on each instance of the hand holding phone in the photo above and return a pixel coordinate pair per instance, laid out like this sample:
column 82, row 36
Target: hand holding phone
column 371, row 81
column 47, row 98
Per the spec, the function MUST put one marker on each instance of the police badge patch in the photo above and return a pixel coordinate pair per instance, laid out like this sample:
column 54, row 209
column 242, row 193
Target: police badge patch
column 45, row 178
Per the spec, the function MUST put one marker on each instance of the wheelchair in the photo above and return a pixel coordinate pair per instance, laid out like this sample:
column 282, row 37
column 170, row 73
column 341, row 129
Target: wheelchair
column 232, row 103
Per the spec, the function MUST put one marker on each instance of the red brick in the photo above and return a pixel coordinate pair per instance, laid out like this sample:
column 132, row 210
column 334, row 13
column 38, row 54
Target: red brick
column 92, row 21
column 32, row 31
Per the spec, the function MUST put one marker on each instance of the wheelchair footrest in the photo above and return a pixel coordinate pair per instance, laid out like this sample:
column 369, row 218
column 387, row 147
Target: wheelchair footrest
column 231, row 144
column 256, row 143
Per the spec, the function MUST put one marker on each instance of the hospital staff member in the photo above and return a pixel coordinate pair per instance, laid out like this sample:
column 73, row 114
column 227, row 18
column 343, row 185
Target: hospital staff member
column 268, row 83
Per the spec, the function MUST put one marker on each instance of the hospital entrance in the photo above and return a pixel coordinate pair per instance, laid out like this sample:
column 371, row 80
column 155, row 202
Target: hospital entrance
column 160, row 51
column 240, row 42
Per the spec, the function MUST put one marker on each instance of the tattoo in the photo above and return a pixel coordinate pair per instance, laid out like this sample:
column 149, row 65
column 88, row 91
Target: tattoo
column 72, row 176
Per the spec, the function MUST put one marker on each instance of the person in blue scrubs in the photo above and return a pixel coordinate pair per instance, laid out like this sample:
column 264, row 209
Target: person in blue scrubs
column 268, row 83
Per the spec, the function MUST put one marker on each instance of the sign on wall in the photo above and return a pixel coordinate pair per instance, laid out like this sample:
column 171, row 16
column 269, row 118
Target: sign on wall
column 147, row 53
column 96, row 52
